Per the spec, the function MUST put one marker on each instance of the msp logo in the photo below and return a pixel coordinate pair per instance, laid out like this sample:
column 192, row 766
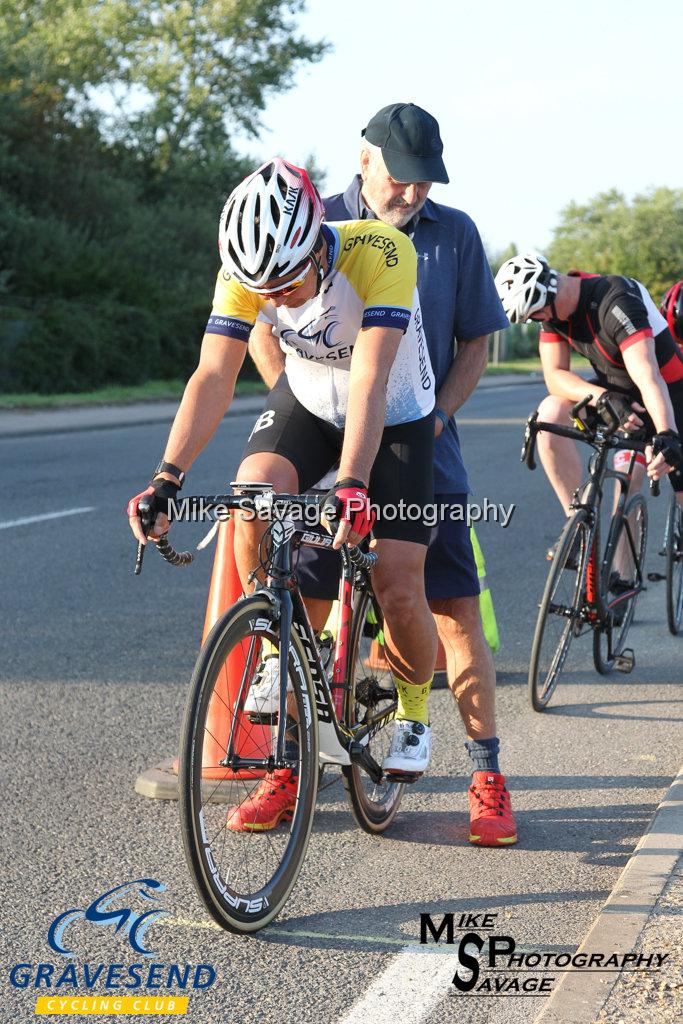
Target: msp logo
column 123, row 919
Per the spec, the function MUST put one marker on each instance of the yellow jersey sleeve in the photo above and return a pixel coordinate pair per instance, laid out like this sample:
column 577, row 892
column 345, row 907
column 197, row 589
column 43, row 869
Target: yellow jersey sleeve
column 234, row 309
column 381, row 264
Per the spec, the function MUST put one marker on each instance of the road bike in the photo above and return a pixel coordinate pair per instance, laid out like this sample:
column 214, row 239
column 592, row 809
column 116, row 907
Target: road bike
column 592, row 587
column 344, row 716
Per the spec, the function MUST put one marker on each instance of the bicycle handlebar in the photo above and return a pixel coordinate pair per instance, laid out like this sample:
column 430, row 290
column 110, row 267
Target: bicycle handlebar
column 585, row 434
column 255, row 499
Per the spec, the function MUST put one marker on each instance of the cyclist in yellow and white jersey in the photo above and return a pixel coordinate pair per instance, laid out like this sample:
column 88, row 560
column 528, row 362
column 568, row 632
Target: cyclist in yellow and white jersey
column 369, row 282
column 357, row 390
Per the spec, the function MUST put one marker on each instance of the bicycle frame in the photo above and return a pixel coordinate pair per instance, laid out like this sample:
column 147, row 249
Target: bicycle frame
column 337, row 743
column 589, row 497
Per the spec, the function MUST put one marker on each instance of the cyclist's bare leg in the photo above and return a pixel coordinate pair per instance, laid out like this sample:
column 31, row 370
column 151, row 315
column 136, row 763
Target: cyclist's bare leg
column 559, row 455
column 265, row 467
column 469, row 664
column 318, row 609
column 409, row 630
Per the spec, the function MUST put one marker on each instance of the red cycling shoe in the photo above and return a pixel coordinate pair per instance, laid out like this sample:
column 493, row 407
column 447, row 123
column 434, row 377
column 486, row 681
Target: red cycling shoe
column 273, row 801
column 491, row 820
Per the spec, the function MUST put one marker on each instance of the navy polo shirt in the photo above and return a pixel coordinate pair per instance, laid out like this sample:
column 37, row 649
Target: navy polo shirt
column 457, row 296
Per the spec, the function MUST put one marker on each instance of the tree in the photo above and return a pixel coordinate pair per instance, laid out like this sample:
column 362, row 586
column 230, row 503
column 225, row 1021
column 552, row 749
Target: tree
column 108, row 213
column 610, row 235
column 161, row 76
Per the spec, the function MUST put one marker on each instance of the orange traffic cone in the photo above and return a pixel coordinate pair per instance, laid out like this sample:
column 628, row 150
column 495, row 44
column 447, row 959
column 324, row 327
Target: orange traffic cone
column 250, row 740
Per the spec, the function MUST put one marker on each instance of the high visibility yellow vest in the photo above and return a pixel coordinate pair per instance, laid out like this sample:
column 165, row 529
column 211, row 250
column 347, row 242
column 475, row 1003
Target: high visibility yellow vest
column 488, row 615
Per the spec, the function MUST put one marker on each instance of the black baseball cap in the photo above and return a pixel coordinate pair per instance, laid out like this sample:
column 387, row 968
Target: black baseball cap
column 410, row 142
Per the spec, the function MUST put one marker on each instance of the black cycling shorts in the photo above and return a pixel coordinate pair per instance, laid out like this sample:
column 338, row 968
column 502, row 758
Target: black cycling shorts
column 402, row 474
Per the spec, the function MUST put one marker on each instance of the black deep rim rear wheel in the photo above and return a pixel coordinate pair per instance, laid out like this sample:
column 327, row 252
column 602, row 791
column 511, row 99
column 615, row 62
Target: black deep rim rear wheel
column 560, row 612
column 243, row 877
column 674, row 566
column 625, row 555
column 374, row 805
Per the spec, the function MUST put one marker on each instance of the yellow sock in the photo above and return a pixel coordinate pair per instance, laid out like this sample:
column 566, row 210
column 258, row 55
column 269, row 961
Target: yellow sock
column 412, row 700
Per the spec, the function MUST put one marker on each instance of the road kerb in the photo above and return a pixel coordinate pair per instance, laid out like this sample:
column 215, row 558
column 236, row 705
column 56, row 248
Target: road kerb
column 136, row 414
column 579, row 996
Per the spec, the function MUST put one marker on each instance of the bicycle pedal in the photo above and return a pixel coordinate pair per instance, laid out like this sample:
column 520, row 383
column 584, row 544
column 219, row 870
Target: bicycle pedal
column 403, row 777
column 626, row 661
column 258, row 718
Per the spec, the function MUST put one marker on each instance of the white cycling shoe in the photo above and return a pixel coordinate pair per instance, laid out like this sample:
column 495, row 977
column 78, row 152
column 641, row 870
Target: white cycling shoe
column 410, row 750
column 264, row 694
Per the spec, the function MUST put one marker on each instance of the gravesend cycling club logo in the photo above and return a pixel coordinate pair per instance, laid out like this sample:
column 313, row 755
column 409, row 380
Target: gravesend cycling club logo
column 101, row 912
column 490, row 963
column 124, row 916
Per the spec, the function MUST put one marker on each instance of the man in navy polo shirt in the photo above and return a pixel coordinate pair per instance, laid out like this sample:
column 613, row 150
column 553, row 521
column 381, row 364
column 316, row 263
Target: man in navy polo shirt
column 401, row 157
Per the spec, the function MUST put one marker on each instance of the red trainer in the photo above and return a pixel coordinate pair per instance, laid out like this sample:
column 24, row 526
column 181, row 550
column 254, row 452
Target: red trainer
column 491, row 820
column 273, row 800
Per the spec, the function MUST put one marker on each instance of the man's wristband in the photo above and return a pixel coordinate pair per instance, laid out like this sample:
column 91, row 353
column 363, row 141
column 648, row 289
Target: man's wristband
column 168, row 467
column 441, row 415
column 349, row 481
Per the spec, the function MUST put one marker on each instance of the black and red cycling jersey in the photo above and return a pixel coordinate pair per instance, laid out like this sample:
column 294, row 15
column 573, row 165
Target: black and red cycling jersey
column 613, row 313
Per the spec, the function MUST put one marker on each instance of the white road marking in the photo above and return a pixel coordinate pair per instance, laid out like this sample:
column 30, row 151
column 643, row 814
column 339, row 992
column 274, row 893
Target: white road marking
column 413, row 983
column 27, row 520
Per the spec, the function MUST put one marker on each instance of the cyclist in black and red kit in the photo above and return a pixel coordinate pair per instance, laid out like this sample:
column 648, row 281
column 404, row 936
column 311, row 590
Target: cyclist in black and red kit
column 615, row 324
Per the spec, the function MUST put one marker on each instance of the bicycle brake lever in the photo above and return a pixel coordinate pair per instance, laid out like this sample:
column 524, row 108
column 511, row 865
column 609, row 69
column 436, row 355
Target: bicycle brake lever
column 529, row 446
column 146, row 513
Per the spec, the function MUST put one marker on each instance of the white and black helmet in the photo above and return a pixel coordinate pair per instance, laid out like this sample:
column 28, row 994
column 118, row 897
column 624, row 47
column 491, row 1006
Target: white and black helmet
column 525, row 283
column 270, row 223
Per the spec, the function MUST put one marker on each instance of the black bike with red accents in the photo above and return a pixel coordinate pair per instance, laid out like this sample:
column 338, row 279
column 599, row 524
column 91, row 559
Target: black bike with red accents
column 341, row 713
column 592, row 587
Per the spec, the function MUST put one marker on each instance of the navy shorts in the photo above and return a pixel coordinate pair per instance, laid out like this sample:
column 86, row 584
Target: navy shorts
column 450, row 569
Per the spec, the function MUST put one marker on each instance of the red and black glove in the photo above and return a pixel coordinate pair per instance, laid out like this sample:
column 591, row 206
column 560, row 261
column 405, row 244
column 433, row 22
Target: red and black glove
column 621, row 406
column 158, row 494
column 348, row 501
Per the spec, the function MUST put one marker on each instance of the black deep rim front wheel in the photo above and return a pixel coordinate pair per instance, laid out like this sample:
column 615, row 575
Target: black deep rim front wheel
column 374, row 805
column 560, row 611
column 625, row 560
column 674, row 566
column 244, row 876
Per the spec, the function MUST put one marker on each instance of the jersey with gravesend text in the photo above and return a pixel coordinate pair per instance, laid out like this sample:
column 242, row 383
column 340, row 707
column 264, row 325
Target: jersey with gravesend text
column 613, row 313
column 371, row 281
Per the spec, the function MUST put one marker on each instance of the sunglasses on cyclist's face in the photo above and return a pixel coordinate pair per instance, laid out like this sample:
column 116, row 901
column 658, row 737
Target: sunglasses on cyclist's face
column 285, row 289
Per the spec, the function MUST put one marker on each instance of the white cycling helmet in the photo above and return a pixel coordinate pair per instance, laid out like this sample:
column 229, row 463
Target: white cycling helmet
column 270, row 223
column 525, row 283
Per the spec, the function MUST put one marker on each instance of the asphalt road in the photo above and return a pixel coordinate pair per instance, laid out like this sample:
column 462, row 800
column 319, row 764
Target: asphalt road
column 94, row 668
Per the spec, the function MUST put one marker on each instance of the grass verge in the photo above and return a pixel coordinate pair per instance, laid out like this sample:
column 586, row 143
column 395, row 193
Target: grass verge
column 152, row 391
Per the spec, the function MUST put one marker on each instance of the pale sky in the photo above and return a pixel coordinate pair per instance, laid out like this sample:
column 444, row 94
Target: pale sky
column 539, row 103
